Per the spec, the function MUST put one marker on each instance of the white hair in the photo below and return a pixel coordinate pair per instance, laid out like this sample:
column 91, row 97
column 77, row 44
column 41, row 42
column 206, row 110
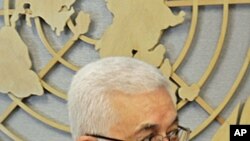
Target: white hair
column 89, row 107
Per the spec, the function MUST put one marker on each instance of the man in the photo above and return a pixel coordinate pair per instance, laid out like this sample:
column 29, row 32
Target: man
column 121, row 98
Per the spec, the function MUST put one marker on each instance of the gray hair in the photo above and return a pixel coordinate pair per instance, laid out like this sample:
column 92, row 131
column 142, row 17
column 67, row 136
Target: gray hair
column 89, row 107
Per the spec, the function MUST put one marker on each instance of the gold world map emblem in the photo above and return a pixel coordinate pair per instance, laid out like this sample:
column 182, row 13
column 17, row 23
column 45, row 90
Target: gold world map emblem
column 135, row 32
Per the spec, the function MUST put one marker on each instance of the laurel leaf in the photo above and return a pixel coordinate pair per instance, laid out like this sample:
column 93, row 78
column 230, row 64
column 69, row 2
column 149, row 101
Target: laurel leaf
column 245, row 117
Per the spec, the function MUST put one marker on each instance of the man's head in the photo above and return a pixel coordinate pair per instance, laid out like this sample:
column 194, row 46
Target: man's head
column 122, row 98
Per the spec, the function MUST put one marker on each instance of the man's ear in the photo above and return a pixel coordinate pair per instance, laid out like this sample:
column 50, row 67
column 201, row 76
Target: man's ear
column 87, row 138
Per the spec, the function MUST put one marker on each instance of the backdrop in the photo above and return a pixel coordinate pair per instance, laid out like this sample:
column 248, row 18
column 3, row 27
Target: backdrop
column 237, row 42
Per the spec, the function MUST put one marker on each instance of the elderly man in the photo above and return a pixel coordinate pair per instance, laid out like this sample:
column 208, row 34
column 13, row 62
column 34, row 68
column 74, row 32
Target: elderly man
column 121, row 98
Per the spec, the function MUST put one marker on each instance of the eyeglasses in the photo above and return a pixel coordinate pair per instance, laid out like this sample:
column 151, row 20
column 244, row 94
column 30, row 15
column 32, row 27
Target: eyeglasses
column 179, row 134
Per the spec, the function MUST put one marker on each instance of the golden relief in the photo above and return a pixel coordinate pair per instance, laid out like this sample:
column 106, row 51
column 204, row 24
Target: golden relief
column 56, row 14
column 136, row 29
column 135, row 32
column 15, row 64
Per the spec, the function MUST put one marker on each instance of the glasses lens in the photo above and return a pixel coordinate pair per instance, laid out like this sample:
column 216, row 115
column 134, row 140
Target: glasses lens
column 182, row 135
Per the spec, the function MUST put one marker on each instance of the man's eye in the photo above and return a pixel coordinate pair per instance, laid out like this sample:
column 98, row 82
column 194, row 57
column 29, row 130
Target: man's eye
column 173, row 134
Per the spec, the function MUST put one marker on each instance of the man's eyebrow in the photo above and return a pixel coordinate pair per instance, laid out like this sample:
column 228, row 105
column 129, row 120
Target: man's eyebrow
column 146, row 126
column 152, row 126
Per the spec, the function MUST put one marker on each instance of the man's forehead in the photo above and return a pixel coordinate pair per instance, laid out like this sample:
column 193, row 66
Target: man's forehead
column 156, row 97
column 134, row 110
